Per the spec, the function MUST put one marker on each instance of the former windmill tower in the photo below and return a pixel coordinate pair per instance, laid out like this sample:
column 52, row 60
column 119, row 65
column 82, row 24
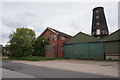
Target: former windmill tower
column 99, row 24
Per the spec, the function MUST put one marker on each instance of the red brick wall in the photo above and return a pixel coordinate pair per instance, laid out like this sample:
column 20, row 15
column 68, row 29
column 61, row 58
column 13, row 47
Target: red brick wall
column 60, row 43
column 57, row 47
column 50, row 33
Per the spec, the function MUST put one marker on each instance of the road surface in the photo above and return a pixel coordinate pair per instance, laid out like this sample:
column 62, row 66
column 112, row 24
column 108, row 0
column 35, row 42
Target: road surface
column 20, row 70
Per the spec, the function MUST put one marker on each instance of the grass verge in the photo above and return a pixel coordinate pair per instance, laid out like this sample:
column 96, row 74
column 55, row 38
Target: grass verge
column 38, row 58
column 32, row 58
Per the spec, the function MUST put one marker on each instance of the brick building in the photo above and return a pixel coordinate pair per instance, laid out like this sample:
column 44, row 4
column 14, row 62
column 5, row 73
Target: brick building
column 56, row 40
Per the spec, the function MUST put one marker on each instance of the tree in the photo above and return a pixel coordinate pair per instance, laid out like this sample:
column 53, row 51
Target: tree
column 39, row 46
column 21, row 42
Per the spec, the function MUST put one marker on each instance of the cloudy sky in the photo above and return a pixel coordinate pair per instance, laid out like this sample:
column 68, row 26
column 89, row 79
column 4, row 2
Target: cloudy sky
column 67, row 17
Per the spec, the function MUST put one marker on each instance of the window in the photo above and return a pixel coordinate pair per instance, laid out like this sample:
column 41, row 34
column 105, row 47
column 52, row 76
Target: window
column 97, row 23
column 98, row 31
column 97, row 17
column 54, row 38
column 62, row 37
column 61, row 48
column 103, row 32
column 48, row 38
column 97, row 11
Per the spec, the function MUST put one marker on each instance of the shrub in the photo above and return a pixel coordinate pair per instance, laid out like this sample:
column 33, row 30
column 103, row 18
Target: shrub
column 39, row 47
column 21, row 42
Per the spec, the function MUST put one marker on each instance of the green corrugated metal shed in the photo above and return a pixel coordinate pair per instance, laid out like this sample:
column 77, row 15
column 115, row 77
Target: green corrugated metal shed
column 114, row 36
column 83, row 46
column 81, row 38
column 112, row 43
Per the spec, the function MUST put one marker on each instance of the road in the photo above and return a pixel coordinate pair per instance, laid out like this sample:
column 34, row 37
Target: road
column 108, row 68
column 20, row 70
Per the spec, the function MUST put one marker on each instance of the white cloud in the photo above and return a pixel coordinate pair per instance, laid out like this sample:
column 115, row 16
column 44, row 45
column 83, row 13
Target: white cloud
column 70, row 18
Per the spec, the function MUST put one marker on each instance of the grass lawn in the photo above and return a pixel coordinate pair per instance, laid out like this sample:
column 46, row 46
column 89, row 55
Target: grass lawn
column 32, row 58
column 38, row 58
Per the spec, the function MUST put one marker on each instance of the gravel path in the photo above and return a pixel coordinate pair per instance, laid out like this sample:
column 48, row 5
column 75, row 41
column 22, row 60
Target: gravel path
column 95, row 67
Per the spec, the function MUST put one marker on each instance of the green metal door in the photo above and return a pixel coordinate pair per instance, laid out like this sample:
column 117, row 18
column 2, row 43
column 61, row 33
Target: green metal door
column 67, row 51
column 84, row 51
column 96, row 51
column 80, row 50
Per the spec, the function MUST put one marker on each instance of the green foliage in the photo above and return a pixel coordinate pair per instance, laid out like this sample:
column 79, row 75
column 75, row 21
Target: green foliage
column 66, row 58
column 35, row 58
column 109, row 59
column 21, row 42
column 39, row 46
column 9, row 59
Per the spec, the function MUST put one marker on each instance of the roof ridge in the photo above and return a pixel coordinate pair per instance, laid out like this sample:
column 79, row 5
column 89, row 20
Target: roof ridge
column 85, row 34
column 59, row 32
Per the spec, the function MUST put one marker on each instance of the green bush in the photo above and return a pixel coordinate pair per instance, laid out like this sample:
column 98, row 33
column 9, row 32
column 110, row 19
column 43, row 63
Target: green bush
column 39, row 47
column 66, row 58
column 21, row 42
column 109, row 59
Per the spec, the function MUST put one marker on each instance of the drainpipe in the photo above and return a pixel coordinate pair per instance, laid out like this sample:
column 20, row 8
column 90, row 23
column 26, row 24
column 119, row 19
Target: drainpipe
column 57, row 46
